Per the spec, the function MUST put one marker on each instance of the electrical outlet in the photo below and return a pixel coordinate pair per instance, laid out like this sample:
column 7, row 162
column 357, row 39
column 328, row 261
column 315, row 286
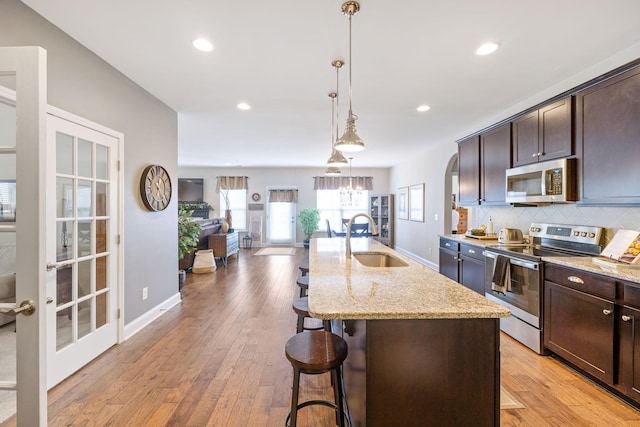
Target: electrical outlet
column 145, row 293
column 430, row 251
column 435, row 217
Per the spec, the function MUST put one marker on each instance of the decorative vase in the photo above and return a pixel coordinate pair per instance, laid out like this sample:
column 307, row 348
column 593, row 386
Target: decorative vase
column 225, row 227
column 227, row 216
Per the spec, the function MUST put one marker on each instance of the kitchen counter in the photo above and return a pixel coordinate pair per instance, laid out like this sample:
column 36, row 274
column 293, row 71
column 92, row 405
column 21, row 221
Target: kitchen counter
column 341, row 288
column 610, row 268
column 421, row 346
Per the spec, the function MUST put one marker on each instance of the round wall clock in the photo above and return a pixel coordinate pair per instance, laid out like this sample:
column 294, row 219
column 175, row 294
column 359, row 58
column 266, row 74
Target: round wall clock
column 155, row 188
column 255, row 197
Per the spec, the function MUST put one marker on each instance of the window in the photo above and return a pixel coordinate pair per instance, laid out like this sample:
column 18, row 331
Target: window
column 238, row 207
column 331, row 208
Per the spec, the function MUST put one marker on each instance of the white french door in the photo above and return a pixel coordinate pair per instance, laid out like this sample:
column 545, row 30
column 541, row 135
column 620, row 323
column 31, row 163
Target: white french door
column 22, row 229
column 82, row 224
column 281, row 221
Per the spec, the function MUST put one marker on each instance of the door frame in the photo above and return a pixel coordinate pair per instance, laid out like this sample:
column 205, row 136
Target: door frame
column 119, row 159
column 29, row 66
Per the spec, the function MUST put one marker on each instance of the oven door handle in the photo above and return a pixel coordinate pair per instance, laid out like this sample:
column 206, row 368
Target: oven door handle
column 514, row 261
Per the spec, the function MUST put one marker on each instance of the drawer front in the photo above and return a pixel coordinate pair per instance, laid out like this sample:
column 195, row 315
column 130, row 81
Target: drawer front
column 581, row 280
column 449, row 244
column 631, row 294
column 471, row 251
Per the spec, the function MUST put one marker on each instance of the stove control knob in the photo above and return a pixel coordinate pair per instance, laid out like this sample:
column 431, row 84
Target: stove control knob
column 583, row 234
column 576, row 233
column 592, row 235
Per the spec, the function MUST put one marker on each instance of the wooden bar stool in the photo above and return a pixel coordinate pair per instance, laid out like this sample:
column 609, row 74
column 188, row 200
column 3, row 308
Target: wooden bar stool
column 301, row 307
column 304, row 268
column 303, row 284
column 313, row 353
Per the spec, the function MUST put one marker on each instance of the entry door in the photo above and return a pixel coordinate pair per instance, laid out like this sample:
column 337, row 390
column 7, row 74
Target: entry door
column 82, row 321
column 281, row 223
column 22, row 154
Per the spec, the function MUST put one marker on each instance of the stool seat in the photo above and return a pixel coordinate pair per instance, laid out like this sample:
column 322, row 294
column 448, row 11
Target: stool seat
column 303, row 284
column 304, row 268
column 316, row 351
column 301, row 307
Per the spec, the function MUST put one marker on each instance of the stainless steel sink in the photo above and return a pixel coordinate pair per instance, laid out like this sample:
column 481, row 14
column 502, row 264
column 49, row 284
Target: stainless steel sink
column 378, row 259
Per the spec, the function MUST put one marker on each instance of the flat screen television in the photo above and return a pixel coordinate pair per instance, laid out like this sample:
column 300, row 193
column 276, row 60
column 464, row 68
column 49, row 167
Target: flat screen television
column 190, row 189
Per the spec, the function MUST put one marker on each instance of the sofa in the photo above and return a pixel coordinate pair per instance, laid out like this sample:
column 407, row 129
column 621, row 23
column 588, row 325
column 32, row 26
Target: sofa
column 7, row 279
column 208, row 227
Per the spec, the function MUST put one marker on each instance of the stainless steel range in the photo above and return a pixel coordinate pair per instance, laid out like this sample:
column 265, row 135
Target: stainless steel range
column 514, row 274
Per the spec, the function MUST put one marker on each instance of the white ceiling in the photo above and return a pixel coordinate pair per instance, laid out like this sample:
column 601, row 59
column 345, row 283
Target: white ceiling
column 276, row 55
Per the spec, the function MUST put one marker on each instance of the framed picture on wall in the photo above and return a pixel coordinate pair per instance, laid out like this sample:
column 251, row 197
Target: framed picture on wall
column 416, row 202
column 403, row 203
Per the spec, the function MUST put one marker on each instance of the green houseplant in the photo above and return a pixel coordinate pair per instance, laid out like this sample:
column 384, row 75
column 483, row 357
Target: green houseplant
column 188, row 232
column 309, row 219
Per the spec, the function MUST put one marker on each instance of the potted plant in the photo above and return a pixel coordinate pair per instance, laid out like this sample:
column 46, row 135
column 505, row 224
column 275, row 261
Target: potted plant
column 188, row 232
column 309, row 219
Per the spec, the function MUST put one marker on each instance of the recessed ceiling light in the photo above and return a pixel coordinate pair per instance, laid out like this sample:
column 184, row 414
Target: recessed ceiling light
column 203, row 45
column 487, row 48
column 244, row 106
column 423, row 108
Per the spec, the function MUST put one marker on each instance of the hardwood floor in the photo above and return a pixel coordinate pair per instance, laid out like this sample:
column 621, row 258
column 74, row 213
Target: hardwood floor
column 218, row 359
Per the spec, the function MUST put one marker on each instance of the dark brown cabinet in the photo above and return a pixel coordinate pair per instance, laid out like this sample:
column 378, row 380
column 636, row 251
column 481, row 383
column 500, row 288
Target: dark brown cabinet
column 482, row 162
column 471, row 271
column 495, row 159
column 608, row 140
column 544, row 134
column 469, row 171
column 463, row 263
column 580, row 328
column 449, row 258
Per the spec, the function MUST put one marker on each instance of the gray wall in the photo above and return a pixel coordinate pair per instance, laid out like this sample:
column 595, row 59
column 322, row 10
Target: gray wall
column 261, row 178
column 83, row 84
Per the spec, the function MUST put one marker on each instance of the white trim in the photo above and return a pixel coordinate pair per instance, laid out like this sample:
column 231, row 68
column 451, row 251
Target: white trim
column 147, row 318
column 418, row 259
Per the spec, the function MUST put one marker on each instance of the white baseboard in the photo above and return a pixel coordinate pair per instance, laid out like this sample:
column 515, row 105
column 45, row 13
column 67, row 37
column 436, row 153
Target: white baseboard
column 135, row 326
column 418, row 259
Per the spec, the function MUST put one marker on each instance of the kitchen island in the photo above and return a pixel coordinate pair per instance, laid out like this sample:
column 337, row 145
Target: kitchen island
column 423, row 350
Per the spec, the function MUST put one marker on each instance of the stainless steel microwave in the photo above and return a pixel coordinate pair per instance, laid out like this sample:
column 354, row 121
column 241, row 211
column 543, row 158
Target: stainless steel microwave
column 544, row 182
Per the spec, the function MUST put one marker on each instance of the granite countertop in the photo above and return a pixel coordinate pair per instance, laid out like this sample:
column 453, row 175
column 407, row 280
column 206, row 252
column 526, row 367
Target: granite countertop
column 341, row 288
column 602, row 266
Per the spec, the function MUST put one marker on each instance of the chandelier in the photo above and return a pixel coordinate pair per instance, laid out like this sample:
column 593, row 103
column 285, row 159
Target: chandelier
column 350, row 196
column 350, row 141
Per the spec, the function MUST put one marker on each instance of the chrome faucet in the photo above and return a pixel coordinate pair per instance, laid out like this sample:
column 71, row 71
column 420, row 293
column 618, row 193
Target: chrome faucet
column 374, row 230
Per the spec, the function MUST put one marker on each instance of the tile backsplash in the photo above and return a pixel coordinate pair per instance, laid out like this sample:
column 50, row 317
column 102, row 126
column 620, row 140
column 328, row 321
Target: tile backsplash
column 611, row 218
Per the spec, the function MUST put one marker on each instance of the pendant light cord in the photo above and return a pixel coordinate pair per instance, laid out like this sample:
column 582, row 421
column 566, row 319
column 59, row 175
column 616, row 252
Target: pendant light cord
column 350, row 66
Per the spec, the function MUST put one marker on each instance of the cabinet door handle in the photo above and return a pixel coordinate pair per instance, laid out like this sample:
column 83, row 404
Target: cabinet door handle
column 606, row 312
column 575, row 279
column 471, row 251
column 447, row 244
column 626, row 318
column 534, row 154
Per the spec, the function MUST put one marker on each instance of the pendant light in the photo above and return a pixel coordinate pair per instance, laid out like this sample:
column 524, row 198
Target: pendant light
column 350, row 141
column 332, row 170
column 336, row 159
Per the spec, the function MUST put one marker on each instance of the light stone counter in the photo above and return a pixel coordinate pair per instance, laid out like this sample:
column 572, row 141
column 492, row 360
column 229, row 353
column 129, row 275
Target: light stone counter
column 607, row 268
column 341, row 288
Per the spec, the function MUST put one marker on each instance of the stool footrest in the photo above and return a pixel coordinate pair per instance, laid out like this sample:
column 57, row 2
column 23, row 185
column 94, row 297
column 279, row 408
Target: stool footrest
column 309, row 403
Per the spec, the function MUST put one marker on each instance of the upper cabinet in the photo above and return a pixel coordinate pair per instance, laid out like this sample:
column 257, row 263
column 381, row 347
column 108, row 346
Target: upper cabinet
column 543, row 134
column 482, row 161
column 608, row 140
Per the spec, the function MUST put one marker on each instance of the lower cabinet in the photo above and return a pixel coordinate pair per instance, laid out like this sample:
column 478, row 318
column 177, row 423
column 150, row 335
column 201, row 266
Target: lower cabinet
column 580, row 328
column 591, row 321
column 463, row 263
